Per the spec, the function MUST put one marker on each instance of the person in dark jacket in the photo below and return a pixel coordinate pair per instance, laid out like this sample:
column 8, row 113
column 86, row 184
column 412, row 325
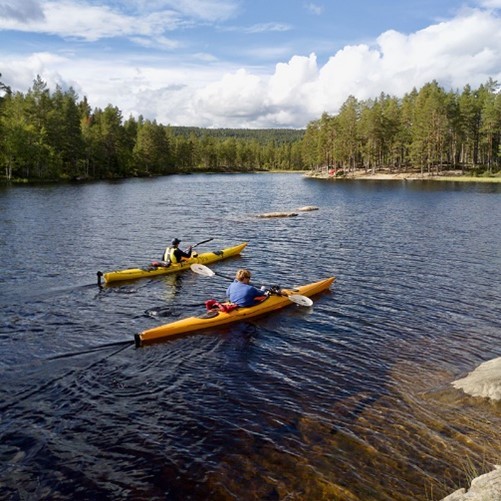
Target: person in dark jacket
column 174, row 254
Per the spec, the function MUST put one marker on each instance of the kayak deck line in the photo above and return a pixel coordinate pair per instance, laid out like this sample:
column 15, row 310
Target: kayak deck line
column 210, row 320
column 152, row 271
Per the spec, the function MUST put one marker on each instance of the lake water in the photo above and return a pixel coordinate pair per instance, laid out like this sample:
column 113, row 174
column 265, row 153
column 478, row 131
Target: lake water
column 350, row 399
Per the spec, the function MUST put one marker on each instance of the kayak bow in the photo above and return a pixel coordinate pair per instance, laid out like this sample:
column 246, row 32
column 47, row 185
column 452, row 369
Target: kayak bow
column 217, row 318
column 204, row 258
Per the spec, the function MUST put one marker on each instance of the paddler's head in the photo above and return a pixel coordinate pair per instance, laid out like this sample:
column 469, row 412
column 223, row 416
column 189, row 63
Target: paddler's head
column 243, row 275
column 176, row 242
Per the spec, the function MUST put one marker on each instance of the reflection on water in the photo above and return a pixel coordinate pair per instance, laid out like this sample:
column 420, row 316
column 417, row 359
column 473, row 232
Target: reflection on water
column 350, row 399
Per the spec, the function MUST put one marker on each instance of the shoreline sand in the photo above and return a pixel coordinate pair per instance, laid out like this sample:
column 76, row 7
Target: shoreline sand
column 407, row 176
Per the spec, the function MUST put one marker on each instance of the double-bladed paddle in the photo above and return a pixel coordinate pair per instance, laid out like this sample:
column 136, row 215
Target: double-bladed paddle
column 200, row 269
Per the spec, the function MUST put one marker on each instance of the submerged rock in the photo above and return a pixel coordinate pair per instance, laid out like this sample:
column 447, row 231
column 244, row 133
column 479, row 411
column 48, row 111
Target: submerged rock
column 288, row 214
column 278, row 214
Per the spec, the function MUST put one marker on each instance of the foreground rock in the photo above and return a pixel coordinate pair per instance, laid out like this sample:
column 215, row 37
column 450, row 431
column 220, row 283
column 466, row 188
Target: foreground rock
column 484, row 381
column 484, row 488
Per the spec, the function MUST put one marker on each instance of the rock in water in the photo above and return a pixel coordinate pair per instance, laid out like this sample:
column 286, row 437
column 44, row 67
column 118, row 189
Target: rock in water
column 484, row 381
column 278, row 214
column 307, row 208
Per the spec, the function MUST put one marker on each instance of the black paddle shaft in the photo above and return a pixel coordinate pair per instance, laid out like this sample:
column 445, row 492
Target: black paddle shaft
column 223, row 276
column 203, row 242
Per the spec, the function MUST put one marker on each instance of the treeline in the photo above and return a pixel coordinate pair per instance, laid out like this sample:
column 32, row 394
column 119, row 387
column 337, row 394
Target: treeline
column 48, row 135
column 263, row 136
column 431, row 130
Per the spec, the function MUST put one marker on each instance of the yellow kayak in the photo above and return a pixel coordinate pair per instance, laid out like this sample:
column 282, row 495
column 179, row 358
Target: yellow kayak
column 153, row 271
column 216, row 318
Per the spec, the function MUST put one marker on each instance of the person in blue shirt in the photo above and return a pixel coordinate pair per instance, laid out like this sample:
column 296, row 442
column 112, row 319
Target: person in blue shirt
column 242, row 293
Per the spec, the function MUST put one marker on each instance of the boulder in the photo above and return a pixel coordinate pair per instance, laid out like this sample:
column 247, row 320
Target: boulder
column 484, row 381
column 486, row 487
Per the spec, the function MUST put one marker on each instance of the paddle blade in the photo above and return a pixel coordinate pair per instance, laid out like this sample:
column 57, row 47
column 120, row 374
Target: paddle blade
column 301, row 300
column 202, row 270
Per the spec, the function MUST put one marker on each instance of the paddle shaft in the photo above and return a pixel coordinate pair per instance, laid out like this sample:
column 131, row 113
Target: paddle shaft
column 223, row 276
column 202, row 242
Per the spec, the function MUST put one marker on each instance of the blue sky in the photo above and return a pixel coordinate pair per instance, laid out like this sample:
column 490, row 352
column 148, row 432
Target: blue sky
column 246, row 63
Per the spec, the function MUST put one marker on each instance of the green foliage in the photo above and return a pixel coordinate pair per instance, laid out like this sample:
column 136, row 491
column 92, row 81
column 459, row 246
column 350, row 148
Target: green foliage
column 262, row 136
column 52, row 135
column 430, row 129
column 4, row 89
column 48, row 135
column 151, row 151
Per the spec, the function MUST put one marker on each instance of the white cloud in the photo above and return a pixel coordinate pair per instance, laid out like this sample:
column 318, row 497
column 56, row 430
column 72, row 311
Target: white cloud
column 464, row 50
column 143, row 23
column 314, row 8
column 266, row 27
column 20, row 71
column 163, row 42
column 21, row 10
column 69, row 19
column 490, row 4
column 203, row 90
column 208, row 10
column 290, row 79
column 237, row 96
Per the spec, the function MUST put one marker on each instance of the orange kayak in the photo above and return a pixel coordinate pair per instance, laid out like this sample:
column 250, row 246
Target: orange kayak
column 213, row 319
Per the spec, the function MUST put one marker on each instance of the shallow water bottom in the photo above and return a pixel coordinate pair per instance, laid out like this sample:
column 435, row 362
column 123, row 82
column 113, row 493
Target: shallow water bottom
column 413, row 443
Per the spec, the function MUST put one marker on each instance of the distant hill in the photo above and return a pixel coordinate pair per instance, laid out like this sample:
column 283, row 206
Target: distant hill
column 260, row 135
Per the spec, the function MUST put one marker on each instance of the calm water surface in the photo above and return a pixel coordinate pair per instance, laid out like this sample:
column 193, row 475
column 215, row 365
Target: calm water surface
column 350, row 399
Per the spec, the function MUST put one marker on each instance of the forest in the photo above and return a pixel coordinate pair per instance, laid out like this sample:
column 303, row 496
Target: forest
column 54, row 135
column 429, row 130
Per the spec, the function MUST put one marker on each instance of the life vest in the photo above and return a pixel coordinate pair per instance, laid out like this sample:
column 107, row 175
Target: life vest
column 172, row 255
column 169, row 255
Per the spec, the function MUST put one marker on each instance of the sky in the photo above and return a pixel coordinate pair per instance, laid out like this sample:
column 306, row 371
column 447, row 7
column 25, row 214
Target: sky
column 246, row 63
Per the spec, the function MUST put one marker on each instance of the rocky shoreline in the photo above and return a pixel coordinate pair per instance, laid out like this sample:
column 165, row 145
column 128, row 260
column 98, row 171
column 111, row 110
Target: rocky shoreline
column 404, row 176
column 483, row 382
column 486, row 487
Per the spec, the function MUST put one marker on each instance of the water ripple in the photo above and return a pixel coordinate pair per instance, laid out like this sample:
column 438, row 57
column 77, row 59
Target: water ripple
column 349, row 399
